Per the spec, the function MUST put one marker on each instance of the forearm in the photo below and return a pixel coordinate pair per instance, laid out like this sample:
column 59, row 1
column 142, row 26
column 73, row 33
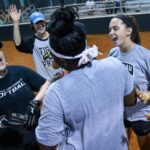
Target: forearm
column 43, row 147
column 42, row 91
column 16, row 33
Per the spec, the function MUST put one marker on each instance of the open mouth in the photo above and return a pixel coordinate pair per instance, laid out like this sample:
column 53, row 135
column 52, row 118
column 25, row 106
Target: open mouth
column 1, row 61
column 114, row 39
column 41, row 28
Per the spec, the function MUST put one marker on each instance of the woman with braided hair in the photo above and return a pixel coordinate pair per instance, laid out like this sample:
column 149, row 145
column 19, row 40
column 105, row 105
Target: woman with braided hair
column 78, row 109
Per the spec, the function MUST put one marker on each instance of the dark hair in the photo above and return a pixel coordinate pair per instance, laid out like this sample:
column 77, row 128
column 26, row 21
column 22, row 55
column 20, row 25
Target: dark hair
column 66, row 37
column 130, row 21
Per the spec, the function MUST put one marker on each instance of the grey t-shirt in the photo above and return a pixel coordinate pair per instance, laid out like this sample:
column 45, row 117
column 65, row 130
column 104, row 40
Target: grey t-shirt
column 84, row 110
column 43, row 59
column 137, row 60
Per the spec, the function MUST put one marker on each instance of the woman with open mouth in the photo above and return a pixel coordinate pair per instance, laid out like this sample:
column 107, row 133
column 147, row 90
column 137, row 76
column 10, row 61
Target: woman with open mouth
column 124, row 34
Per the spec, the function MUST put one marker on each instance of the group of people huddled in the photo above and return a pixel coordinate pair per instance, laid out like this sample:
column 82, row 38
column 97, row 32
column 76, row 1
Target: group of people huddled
column 81, row 103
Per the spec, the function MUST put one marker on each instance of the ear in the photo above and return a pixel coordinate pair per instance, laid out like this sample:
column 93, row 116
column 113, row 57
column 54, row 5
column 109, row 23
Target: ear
column 129, row 31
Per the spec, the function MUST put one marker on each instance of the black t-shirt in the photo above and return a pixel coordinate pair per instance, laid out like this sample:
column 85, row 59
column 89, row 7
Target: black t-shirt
column 16, row 90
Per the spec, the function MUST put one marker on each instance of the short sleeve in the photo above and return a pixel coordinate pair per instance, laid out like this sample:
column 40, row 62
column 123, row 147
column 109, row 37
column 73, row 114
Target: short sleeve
column 33, row 79
column 50, row 130
column 26, row 45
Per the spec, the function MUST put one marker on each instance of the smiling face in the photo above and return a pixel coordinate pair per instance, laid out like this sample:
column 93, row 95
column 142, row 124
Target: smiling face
column 119, row 33
column 40, row 27
column 2, row 62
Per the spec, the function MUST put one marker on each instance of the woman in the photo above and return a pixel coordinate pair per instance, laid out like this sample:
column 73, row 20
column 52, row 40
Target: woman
column 19, row 105
column 76, row 109
column 124, row 33
column 37, row 45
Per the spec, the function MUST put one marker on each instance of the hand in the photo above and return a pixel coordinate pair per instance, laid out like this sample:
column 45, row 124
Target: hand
column 148, row 116
column 144, row 96
column 32, row 114
column 14, row 14
column 12, row 120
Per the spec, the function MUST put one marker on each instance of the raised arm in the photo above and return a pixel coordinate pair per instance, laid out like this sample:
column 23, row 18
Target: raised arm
column 15, row 16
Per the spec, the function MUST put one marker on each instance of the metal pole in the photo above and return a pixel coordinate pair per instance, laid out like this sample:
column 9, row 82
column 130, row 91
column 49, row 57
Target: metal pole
column 62, row 3
column 50, row 2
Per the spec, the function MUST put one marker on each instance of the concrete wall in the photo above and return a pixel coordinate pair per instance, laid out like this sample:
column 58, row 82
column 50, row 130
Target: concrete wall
column 93, row 25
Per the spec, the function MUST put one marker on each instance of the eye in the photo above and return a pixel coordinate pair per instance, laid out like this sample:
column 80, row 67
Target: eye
column 115, row 28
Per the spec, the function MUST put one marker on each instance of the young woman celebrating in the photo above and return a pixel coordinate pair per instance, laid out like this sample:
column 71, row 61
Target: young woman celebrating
column 125, row 36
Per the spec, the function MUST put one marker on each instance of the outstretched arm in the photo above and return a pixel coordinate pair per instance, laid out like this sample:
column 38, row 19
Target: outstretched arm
column 15, row 16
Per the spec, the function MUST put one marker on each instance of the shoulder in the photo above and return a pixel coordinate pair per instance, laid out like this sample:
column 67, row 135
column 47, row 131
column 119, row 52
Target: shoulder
column 142, row 49
column 143, row 52
column 114, row 51
column 19, row 68
column 111, row 60
column 29, row 38
column 81, row 26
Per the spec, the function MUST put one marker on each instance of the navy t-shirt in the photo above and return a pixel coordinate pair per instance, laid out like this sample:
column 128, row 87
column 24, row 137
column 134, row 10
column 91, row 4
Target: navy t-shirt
column 16, row 90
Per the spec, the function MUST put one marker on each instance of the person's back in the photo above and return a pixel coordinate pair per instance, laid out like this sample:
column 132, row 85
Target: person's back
column 89, row 103
column 84, row 110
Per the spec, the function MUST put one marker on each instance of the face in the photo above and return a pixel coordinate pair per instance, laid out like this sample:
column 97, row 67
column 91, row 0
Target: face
column 40, row 27
column 119, row 33
column 2, row 61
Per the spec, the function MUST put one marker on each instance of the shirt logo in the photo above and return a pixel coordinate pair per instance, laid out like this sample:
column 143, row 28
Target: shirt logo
column 129, row 67
column 46, row 56
column 12, row 89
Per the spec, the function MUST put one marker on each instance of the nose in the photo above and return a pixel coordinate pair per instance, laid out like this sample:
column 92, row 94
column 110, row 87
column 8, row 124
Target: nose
column 111, row 32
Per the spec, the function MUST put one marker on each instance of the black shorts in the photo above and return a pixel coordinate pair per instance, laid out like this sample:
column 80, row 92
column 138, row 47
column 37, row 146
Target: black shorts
column 141, row 128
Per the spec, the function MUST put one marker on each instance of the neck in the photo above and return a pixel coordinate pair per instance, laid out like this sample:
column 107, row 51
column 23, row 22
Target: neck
column 127, row 47
column 42, row 35
column 3, row 73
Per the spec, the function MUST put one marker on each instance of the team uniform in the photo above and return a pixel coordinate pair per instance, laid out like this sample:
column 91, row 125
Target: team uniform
column 39, row 48
column 16, row 91
column 78, row 115
column 137, row 60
